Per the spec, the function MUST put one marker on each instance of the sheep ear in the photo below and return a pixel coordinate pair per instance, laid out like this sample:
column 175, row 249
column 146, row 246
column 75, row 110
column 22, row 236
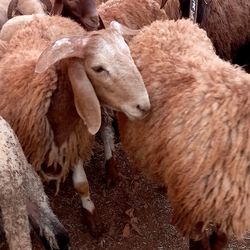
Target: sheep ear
column 11, row 8
column 60, row 49
column 48, row 5
column 123, row 30
column 57, row 7
column 163, row 2
column 101, row 25
column 86, row 101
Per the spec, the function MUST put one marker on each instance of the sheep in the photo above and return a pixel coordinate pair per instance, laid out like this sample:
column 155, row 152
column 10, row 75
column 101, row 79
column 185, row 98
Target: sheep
column 171, row 7
column 227, row 24
column 23, row 198
column 195, row 140
column 54, row 122
column 82, row 11
column 134, row 14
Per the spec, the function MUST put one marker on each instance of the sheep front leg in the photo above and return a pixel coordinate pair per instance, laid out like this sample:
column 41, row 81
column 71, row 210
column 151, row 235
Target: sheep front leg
column 82, row 187
column 107, row 135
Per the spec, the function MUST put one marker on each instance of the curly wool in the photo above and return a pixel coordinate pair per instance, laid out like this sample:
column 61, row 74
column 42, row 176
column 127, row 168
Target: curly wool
column 196, row 139
column 32, row 117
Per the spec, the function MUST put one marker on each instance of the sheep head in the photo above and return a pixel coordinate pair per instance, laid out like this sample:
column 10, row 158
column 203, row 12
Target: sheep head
column 15, row 8
column 82, row 11
column 101, row 71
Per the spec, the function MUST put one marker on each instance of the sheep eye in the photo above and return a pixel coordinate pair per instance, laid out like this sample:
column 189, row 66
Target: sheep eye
column 98, row 69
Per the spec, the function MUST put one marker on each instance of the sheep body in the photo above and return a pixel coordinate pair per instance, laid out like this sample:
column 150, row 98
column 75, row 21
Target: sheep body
column 196, row 138
column 22, row 189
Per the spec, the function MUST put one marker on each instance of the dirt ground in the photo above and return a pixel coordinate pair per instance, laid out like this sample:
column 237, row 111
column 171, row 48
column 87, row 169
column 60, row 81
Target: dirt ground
column 135, row 213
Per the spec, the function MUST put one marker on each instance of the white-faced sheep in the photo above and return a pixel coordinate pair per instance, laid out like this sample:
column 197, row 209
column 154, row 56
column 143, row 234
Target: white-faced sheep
column 58, row 111
column 196, row 139
column 134, row 14
column 23, row 198
column 227, row 24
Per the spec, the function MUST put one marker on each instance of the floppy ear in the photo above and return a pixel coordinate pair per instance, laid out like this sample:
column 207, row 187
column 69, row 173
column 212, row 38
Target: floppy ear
column 101, row 24
column 60, row 49
column 57, row 7
column 163, row 2
column 11, row 8
column 86, row 101
column 123, row 30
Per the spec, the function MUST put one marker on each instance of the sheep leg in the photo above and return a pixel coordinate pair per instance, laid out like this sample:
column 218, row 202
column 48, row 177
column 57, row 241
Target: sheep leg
column 107, row 135
column 202, row 244
column 218, row 240
column 81, row 185
column 43, row 220
column 16, row 222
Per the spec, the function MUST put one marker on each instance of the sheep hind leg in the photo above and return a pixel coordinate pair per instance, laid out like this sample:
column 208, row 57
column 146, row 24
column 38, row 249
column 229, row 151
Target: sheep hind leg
column 218, row 240
column 215, row 241
column 81, row 185
column 45, row 223
column 16, row 223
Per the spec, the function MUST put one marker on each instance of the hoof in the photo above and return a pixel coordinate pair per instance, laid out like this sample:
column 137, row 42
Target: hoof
column 111, row 172
column 95, row 230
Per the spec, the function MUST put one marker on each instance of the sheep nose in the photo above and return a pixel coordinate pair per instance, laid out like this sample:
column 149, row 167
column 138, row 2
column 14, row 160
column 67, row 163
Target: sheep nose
column 94, row 21
column 91, row 22
column 144, row 108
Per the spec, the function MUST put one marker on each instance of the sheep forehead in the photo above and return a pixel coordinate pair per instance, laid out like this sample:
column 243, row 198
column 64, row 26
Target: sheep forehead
column 115, row 46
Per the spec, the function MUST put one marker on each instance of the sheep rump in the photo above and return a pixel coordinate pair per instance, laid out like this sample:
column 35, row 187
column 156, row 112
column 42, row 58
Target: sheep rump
column 23, row 198
column 196, row 138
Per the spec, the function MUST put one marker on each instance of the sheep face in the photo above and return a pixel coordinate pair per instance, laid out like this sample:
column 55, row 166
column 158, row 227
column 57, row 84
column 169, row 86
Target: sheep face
column 82, row 11
column 114, row 76
column 103, row 73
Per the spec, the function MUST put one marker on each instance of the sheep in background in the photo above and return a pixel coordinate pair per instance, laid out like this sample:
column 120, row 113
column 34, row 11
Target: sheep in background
column 82, row 11
column 134, row 14
column 23, row 198
column 196, row 139
column 59, row 110
column 227, row 24
column 171, row 7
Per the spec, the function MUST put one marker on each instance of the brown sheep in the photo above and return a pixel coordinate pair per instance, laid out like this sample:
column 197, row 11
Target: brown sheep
column 58, row 111
column 196, row 139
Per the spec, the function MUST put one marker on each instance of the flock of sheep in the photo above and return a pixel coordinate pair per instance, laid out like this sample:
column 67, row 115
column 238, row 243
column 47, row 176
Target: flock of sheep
column 180, row 102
